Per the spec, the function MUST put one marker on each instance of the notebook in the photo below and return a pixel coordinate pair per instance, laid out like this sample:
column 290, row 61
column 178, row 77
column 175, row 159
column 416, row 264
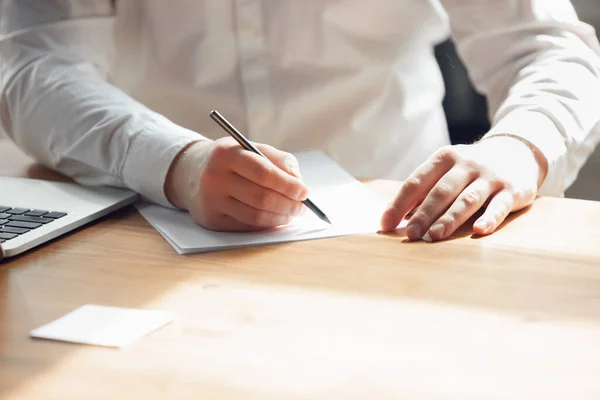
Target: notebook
column 349, row 204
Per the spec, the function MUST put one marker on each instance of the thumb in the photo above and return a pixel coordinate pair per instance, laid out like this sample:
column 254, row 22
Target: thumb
column 285, row 161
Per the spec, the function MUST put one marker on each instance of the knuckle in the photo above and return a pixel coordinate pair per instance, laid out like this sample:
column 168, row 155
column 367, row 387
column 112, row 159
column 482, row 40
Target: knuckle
column 501, row 212
column 448, row 221
column 500, row 215
column 265, row 200
column 442, row 191
column 445, row 154
column 472, row 166
column 518, row 195
column 524, row 195
column 263, row 174
column 245, row 159
column 471, row 199
column 412, row 184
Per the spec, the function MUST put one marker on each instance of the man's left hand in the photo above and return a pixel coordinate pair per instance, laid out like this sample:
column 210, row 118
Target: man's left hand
column 501, row 173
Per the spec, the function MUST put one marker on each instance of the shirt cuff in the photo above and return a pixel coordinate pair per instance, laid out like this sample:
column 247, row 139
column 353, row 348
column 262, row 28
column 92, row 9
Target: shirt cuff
column 539, row 130
column 157, row 142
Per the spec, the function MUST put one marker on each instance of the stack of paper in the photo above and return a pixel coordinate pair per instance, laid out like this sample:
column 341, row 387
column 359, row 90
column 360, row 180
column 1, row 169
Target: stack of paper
column 350, row 206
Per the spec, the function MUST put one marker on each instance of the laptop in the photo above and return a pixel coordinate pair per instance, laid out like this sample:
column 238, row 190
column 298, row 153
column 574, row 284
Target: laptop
column 34, row 211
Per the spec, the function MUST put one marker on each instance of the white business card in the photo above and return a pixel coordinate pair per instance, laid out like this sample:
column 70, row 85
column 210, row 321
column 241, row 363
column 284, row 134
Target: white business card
column 103, row 326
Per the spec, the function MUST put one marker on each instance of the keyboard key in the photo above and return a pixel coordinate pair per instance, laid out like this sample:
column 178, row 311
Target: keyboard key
column 55, row 215
column 17, row 211
column 25, row 218
column 4, row 216
column 3, row 221
column 3, row 208
column 36, row 213
column 21, row 224
column 12, row 229
column 7, row 236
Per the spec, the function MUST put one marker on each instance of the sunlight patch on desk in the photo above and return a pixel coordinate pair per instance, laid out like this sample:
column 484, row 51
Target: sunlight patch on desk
column 309, row 343
column 313, row 343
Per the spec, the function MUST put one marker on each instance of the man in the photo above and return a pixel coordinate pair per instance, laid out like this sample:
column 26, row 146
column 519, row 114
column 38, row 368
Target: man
column 119, row 94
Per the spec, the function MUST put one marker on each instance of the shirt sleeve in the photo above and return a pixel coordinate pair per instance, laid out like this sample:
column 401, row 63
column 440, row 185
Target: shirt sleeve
column 57, row 104
column 539, row 67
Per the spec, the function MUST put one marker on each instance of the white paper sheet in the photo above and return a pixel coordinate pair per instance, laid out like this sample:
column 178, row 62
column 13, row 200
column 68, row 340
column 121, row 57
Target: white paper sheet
column 103, row 326
column 350, row 206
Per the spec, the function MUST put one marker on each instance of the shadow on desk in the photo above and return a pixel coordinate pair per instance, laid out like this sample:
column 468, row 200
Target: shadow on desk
column 36, row 171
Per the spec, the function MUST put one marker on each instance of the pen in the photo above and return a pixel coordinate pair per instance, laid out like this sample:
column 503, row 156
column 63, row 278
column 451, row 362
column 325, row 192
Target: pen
column 245, row 143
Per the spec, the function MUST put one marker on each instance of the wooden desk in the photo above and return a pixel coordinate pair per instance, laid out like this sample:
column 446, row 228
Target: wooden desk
column 513, row 315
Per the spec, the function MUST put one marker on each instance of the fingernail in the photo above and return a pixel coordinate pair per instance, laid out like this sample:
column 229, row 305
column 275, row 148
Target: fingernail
column 414, row 232
column 483, row 225
column 437, row 231
column 427, row 238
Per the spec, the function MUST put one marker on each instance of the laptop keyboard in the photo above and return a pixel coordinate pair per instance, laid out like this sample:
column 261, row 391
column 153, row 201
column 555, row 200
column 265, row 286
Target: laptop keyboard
column 15, row 221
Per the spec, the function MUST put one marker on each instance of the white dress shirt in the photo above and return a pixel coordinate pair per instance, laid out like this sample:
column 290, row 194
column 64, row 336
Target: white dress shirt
column 111, row 95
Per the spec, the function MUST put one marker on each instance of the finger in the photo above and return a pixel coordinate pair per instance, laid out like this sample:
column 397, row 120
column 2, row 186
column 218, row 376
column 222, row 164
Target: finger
column 415, row 188
column 468, row 203
column 282, row 159
column 263, row 172
column 252, row 216
column 261, row 198
column 414, row 209
column 496, row 212
column 438, row 200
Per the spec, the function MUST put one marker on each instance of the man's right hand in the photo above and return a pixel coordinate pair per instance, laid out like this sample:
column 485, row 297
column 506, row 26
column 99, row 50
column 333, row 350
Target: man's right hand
column 227, row 188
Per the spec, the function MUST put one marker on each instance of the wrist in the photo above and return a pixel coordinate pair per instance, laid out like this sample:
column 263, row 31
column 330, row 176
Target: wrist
column 179, row 179
column 539, row 158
